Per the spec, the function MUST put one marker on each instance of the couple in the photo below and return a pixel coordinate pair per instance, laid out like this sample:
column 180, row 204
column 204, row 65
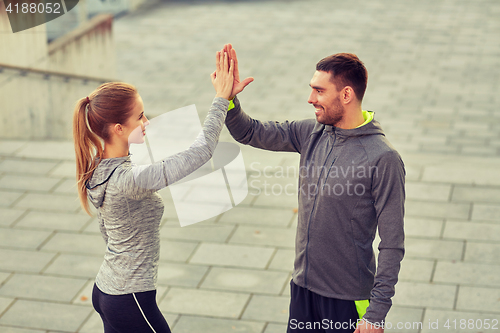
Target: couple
column 334, row 283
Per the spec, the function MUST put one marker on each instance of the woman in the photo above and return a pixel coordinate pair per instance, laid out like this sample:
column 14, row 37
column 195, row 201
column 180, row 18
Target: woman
column 128, row 207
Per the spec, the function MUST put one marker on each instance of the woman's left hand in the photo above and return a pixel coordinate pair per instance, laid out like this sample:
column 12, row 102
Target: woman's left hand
column 223, row 78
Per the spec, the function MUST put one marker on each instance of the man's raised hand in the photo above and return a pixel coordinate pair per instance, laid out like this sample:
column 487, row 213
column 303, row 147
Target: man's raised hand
column 238, row 85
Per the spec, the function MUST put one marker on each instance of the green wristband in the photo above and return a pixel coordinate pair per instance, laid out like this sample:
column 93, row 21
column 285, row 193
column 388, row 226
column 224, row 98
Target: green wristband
column 231, row 105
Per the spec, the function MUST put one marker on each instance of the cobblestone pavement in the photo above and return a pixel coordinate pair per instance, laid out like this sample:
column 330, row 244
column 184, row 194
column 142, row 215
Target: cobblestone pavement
column 434, row 84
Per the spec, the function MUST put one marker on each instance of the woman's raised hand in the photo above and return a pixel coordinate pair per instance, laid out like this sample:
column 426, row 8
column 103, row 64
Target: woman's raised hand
column 223, row 77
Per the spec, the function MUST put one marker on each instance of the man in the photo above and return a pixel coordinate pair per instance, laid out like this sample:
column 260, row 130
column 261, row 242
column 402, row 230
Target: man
column 351, row 181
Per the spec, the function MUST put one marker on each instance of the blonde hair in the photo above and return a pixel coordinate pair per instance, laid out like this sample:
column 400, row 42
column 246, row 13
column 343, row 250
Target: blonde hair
column 111, row 103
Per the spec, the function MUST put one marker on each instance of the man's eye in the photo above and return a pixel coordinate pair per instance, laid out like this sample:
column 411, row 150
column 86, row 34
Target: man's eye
column 318, row 91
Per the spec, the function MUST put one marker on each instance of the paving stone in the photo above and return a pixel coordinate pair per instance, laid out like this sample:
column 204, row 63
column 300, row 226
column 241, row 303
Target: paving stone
column 75, row 265
column 68, row 186
column 53, row 221
column 427, row 227
column 22, row 239
column 431, row 192
column 14, row 182
column 482, row 252
column 272, row 197
column 257, row 216
column 467, row 273
column 64, row 169
column 472, row 230
column 176, row 250
column 6, row 329
column 7, row 198
column 9, row 147
column 92, row 227
column 5, row 302
column 48, row 150
column 93, row 324
column 476, row 194
column 433, row 249
column 42, row 287
column 435, row 318
column 449, row 149
column 437, row 209
column 64, row 242
column 24, row 261
column 27, row 167
column 268, row 308
column 479, row 151
column 416, row 270
column 188, row 324
column 413, row 172
column 478, row 299
column 464, row 173
column 51, row 202
column 424, row 295
column 204, row 302
column 180, row 274
column 3, row 277
column 8, row 216
column 85, row 295
column 258, row 235
column 485, row 212
column 197, row 232
column 245, row 280
column 275, row 328
column 48, row 316
column 283, row 260
column 404, row 320
column 232, row 255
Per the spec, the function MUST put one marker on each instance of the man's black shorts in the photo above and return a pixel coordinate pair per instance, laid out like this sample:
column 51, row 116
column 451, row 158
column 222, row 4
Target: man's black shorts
column 313, row 313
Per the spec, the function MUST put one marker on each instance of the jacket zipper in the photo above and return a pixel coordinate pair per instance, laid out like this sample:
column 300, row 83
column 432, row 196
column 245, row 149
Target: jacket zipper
column 314, row 207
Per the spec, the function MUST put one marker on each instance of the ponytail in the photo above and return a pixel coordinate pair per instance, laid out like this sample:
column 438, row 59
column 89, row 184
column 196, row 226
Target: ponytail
column 87, row 147
column 111, row 103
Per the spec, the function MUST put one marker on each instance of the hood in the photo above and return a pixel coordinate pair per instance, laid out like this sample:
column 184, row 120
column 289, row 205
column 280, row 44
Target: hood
column 96, row 187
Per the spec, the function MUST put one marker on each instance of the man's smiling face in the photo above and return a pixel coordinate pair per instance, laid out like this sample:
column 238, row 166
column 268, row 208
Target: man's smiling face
column 326, row 99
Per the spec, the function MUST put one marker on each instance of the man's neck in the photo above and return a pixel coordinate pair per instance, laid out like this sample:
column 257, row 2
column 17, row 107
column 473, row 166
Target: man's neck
column 352, row 118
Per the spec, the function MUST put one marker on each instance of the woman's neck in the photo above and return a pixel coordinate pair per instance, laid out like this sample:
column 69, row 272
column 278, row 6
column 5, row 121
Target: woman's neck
column 113, row 150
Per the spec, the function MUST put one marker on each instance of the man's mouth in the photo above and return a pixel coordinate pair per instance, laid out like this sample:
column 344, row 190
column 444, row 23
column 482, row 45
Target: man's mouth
column 318, row 108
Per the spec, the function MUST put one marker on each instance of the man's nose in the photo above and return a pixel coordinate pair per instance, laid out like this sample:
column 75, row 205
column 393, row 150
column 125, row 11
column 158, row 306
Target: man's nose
column 312, row 98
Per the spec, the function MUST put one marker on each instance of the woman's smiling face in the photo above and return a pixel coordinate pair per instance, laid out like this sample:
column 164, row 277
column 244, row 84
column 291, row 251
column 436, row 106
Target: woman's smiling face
column 135, row 128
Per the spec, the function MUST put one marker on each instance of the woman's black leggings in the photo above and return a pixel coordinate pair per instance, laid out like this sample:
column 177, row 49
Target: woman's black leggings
column 130, row 313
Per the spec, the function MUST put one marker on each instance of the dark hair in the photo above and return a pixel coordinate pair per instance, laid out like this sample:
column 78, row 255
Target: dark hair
column 111, row 103
column 346, row 70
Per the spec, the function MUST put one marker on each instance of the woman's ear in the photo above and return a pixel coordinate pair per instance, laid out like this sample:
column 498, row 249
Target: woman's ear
column 117, row 129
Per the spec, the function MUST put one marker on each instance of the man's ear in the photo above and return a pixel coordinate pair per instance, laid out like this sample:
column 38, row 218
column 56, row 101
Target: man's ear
column 347, row 95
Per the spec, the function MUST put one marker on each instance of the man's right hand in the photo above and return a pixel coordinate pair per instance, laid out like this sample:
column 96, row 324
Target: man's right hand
column 238, row 85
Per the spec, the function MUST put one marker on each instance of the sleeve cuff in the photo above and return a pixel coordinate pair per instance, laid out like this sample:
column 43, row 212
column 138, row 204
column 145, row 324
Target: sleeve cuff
column 231, row 104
